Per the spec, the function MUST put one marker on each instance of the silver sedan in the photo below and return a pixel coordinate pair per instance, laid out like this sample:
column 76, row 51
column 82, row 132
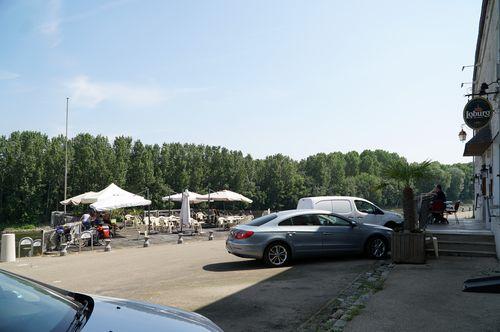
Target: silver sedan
column 277, row 237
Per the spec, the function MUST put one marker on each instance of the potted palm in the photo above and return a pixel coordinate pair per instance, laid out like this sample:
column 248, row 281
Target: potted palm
column 408, row 246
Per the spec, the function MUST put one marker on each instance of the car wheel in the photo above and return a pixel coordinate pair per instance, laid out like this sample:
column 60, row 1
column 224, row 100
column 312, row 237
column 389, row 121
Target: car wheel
column 394, row 226
column 377, row 248
column 277, row 254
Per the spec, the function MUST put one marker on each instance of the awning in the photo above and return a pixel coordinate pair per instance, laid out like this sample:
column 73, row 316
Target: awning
column 478, row 143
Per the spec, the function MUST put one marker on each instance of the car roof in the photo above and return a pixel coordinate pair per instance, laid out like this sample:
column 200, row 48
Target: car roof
column 318, row 198
column 291, row 213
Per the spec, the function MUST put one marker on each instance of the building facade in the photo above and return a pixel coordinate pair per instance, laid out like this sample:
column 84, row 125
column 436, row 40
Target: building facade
column 484, row 146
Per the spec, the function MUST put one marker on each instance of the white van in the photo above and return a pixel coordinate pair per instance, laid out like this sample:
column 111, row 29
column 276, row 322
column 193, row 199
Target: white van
column 355, row 208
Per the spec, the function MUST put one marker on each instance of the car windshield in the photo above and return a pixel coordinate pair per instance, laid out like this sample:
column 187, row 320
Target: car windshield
column 262, row 220
column 26, row 307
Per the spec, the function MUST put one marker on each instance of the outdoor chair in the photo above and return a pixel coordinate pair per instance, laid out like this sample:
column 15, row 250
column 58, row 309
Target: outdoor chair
column 438, row 208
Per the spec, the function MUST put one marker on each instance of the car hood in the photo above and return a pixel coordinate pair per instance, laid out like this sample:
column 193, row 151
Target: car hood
column 111, row 314
column 396, row 216
column 372, row 226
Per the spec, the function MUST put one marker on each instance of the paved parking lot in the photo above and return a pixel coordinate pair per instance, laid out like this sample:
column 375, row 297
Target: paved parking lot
column 237, row 294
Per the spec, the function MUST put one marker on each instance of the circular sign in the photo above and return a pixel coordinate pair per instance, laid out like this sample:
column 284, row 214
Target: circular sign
column 477, row 113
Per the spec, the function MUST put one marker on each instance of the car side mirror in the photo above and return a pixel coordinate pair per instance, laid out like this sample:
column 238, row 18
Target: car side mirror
column 353, row 224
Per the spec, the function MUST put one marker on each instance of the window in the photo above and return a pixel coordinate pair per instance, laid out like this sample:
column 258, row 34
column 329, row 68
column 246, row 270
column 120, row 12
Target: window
column 341, row 206
column 329, row 220
column 323, row 205
column 30, row 307
column 262, row 220
column 365, row 207
column 286, row 222
column 302, row 220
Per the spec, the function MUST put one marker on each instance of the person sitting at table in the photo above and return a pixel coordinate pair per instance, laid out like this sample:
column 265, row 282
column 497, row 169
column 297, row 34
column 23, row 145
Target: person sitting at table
column 439, row 204
column 86, row 221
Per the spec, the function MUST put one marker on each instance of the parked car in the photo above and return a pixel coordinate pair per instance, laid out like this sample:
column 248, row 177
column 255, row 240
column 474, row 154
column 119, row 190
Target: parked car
column 277, row 237
column 355, row 208
column 27, row 305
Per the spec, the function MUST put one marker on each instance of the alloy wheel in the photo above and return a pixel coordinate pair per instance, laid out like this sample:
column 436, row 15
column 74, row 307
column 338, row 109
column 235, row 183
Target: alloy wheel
column 377, row 248
column 277, row 255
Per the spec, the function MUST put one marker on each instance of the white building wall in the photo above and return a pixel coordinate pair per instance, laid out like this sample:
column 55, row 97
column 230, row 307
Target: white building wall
column 487, row 71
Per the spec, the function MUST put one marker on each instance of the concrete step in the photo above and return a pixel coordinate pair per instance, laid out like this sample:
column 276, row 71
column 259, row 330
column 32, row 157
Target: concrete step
column 476, row 244
column 465, row 237
column 466, row 246
column 430, row 252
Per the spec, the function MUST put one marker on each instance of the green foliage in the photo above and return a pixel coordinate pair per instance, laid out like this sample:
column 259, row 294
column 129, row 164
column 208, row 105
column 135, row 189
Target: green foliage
column 406, row 173
column 32, row 174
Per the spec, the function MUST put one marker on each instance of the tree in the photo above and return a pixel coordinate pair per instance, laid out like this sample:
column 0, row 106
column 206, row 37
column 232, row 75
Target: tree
column 369, row 163
column 122, row 148
column 352, row 162
column 407, row 174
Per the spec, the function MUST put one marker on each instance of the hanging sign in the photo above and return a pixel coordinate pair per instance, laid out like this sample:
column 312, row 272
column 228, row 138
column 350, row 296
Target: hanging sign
column 477, row 113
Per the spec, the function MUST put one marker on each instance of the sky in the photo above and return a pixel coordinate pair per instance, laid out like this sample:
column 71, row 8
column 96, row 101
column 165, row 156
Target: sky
column 263, row 77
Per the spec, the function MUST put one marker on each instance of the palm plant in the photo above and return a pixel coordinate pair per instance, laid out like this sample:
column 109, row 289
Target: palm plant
column 407, row 174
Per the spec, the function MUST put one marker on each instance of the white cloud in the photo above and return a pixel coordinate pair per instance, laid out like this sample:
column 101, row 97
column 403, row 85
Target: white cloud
column 51, row 27
column 7, row 75
column 87, row 93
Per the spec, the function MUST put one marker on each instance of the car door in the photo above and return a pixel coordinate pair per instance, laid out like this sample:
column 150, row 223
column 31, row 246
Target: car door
column 302, row 232
column 339, row 234
column 366, row 212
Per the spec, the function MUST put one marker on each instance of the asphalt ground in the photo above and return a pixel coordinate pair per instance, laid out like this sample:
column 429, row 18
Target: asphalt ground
column 237, row 294
column 429, row 298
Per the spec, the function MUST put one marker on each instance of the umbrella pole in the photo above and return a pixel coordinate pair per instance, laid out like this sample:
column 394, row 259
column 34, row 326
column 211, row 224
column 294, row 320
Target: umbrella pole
column 149, row 211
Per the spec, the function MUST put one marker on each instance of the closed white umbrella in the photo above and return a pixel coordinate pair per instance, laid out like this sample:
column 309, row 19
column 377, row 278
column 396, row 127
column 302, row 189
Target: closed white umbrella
column 185, row 210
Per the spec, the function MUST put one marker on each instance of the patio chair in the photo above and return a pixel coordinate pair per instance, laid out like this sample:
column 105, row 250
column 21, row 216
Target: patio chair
column 438, row 209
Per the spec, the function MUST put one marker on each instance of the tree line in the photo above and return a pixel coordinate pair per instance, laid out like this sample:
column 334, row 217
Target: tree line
column 32, row 173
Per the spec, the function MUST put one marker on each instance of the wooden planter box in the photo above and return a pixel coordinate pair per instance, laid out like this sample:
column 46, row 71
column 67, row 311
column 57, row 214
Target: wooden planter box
column 408, row 248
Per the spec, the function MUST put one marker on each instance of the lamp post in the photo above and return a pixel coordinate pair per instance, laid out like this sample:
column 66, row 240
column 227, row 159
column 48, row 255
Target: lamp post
column 462, row 135
column 66, row 157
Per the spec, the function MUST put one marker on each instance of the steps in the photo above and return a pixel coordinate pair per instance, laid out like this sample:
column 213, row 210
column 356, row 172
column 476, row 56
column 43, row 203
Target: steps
column 472, row 244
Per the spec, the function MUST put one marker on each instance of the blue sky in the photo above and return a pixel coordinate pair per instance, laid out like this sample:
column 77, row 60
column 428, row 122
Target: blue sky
column 264, row 77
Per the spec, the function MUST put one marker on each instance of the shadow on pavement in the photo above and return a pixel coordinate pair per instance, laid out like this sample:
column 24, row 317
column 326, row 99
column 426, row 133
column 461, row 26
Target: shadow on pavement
column 286, row 300
column 235, row 266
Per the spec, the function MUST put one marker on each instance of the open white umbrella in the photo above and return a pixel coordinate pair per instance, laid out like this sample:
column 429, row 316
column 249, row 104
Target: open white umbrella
column 193, row 197
column 119, row 202
column 91, row 197
column 77, row 200
column 226, row 196
column 185, row 210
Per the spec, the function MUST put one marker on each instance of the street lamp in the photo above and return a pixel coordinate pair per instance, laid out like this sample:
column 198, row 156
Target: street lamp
column 66, row 157
column 462, row 135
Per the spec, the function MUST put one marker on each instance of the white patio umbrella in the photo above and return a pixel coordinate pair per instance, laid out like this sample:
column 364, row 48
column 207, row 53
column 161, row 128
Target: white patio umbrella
column 91, row 197
column 226, row 196
column 118, row 202
column 193, row 197
column 77, row 200
column 185, row 210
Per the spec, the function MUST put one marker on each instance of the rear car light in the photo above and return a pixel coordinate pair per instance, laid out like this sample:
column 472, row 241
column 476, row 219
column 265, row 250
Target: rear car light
column 240, row 235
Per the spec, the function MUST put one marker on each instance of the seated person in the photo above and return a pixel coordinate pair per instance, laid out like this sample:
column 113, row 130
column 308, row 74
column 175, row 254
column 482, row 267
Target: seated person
column 438, row 204
column 86, row 221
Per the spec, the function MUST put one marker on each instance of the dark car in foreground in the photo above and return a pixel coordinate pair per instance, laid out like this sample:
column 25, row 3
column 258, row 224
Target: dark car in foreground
column 277, row 237
column 27, row 305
